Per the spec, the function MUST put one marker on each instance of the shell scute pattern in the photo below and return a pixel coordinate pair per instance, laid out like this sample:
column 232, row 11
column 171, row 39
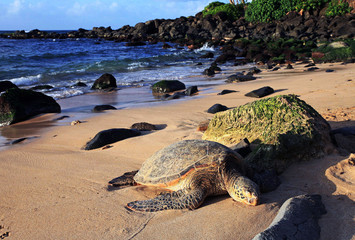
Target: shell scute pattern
column 180, row 159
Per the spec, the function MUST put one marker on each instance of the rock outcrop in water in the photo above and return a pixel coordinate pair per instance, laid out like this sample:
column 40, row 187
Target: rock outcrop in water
column 17, row 105
column 5, row 85
column 200, row 29
column 106, row 81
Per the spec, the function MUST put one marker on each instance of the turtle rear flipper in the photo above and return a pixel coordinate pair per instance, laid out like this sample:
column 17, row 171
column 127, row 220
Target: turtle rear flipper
column 182, row 199
column 124, row 180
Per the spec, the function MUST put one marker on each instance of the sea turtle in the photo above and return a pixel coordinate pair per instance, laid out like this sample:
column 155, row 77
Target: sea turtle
column 191, row 170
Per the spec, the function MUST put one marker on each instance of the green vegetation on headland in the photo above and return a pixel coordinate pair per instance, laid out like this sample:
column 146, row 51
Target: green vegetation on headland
column 268, row 10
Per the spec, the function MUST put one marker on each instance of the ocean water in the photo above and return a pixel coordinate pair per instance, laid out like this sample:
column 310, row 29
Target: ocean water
column 62, row 63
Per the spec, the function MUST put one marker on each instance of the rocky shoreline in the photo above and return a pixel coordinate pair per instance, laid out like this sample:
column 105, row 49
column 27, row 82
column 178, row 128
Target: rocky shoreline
column 198, row 29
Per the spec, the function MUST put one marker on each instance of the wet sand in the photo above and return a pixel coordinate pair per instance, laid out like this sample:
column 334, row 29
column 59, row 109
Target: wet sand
column 51, row 189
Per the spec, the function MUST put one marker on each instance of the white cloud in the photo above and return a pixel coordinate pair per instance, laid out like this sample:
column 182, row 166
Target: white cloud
column 15, row 7
column 77, row 9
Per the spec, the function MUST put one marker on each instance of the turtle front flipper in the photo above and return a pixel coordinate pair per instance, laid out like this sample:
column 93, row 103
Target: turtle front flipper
column 124, row 180
column 181, row 199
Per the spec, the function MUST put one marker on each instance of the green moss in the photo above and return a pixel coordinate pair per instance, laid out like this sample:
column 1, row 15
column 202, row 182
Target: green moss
column 233, row 11
column 283, row 127
column 338, row 8
column 166, row 86
column 337, row 54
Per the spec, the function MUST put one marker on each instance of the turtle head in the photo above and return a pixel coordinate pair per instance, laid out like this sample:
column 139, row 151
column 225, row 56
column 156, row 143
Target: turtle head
column 244, row 190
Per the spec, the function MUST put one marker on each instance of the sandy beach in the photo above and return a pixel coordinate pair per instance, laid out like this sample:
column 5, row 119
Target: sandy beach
column 52, row 189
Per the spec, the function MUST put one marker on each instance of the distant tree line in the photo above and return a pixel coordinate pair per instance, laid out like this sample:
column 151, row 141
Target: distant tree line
column 268, row 10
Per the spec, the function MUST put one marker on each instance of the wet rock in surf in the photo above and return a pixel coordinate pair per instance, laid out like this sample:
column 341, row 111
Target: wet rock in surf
column 110, row 136
column 106, row 81
column 17, row 105
column 42, row 87
column 166, row 86
column 4, row 85
column 191, row 90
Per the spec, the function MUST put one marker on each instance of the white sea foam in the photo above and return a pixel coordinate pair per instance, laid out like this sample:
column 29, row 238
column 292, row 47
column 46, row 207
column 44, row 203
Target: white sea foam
column 205, row 47
column 65, row 93
column 26, row 81
column 136, row 65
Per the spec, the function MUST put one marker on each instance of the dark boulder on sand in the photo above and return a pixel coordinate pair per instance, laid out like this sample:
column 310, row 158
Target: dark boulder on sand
column 191, row 90
column 4, row 85
column 17, row 105
column 226, row 91
column 110, row 136
column 261, row 92
column 254, row 70
column 283, row 129
column 217, row 108
column 100, row 108
column 104, row 82
column 239, row 78
column 297, row 219
column 144, row 126
column 166, row 86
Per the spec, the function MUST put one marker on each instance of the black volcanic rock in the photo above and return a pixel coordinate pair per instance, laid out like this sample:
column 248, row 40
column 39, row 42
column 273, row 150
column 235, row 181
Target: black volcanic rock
column 4, row 85
column 144, row 126
column 104, row 82
column 239, row 78
column 100, row 108
column 296, row 219
column 166, row 86
column 217, row 108
column 18, row 105
column 110, row 136
column 191, row 90
column 224, row 92
column 261, row 92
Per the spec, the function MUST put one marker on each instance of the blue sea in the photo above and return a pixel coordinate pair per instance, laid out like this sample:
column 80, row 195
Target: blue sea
column 62, row 63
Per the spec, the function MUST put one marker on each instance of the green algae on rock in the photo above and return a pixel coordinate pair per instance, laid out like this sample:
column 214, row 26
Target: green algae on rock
column 283, row 129
column 166, row 86
column 19, row 104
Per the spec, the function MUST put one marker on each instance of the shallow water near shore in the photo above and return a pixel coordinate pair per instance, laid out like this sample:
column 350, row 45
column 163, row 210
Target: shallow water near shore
column 80, row 107
column 62, row 63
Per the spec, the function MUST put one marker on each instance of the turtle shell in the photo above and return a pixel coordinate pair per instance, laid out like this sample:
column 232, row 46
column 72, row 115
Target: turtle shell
column 170, row 164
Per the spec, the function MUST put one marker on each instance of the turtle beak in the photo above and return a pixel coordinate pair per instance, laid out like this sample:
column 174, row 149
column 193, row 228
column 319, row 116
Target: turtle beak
column 251, row 199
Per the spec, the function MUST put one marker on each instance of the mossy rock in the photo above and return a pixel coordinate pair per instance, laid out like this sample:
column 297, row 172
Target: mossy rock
column 18, row 105
column 166, row 86
column 283, row 129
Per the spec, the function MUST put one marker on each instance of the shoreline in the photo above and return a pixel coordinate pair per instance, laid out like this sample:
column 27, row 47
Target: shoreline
column 52, row 189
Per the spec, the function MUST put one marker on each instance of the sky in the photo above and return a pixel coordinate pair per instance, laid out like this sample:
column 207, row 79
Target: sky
column 75, row 14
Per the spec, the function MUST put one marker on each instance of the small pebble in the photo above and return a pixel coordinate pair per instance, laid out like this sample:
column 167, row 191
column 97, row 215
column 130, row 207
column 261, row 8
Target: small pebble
column 75, row 122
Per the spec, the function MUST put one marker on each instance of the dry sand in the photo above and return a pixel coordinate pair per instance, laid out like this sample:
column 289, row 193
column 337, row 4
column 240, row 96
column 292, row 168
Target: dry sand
column 51, row 189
